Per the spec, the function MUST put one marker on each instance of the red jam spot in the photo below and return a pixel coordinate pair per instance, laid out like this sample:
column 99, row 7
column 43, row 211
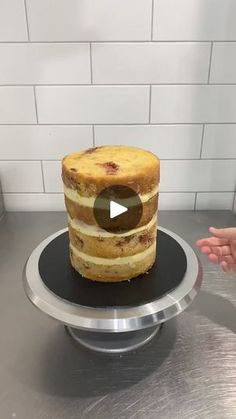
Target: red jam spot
column 110, row 167
column 145, row 239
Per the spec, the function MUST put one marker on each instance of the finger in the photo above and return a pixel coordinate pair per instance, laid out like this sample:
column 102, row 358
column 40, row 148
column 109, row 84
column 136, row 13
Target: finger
column 228, row 259
column 212, row 241
column 228, row 268
column 224, row 233
column 206, row 250
column 214, row 258
column 221, row 250
column 224, row 267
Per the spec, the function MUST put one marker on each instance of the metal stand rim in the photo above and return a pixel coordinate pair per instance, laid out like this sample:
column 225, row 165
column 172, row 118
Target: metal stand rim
column 113, row 320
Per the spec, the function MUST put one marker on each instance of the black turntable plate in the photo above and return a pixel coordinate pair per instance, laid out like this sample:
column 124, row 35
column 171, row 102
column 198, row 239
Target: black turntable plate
column 60, row 277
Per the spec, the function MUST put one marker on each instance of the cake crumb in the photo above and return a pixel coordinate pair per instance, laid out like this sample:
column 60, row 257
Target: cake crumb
column 79, row 242
column 91, row 150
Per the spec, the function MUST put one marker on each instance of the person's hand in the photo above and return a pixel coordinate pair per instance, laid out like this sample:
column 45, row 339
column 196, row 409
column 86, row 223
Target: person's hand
column 220, row 248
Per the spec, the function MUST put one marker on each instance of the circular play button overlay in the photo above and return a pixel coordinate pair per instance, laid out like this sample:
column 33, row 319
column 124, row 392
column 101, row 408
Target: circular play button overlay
column 118, row 209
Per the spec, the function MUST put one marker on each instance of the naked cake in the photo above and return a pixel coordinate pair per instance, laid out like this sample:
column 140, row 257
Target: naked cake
column 97, row 254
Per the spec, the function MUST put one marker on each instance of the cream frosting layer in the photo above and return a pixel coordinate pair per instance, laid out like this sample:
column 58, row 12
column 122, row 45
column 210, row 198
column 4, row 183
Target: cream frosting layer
column 96, row 231
column 86, row 201
column 114, row 261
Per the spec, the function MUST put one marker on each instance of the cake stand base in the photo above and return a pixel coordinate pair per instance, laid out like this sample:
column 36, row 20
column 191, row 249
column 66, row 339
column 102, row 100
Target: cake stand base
column 113, row 343
column 112, row 317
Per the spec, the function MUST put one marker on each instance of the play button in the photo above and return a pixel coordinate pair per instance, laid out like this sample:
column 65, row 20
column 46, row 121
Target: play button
column 118, row 209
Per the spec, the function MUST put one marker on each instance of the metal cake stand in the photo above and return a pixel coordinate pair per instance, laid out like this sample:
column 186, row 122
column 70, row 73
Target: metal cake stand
column 113, row 329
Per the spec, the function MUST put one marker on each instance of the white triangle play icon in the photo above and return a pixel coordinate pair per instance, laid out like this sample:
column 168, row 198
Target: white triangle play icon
column 116, row 209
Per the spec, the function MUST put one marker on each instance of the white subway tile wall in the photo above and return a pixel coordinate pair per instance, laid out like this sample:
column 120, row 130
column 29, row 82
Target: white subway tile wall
column 44, row 142
column 198, row 175
column 215, row 200
column 219, row 141
column 50, row 63
column 52, row 176
column 150, row 62
column 13, row 25
column 168, row 141
column 158, row 74
column 17, row 105
column 21, row 176
column 199, row 20
column 92, row 104
column 89, row 20
column 193, row 103
column 176, row 201
column 34, row 202
column 224, row 63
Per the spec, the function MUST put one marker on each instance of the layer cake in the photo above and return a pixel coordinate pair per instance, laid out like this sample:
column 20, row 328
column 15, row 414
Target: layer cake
column 95, row 253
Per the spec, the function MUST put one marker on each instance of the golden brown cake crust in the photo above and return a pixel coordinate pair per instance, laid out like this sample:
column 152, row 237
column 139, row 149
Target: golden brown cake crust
column 113, row 247
column 86, row 214
column 92, row 170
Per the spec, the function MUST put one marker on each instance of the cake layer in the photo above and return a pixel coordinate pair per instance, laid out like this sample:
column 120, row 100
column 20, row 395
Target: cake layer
column 86, row 214
column 96, row 231
column 92, row 170
column 86, row 201
column 113, row 246
column 118, row 269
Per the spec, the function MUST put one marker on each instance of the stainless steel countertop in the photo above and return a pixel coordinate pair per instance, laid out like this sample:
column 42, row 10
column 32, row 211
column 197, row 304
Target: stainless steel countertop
column 187, row 372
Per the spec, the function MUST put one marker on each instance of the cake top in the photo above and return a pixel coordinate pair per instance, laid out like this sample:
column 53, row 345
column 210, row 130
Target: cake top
column 112, row 165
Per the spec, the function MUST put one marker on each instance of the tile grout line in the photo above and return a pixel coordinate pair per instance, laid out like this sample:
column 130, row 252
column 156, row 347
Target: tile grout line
column 174, row 84
column 91, row 78
column 150, row 104
column 27, row 21
column 41, row 164
column 162, row 159
column 93, row 131
column 114, row 124
column 152, row 19
column 161, row 192
column 91, row 62
column 36, row 107
column 195, row 202
column 203, row 132
column 210, row 61
column 123, row 41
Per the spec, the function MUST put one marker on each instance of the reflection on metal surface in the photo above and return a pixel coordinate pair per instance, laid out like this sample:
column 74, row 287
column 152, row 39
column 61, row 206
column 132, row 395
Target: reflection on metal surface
column 113, row 343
